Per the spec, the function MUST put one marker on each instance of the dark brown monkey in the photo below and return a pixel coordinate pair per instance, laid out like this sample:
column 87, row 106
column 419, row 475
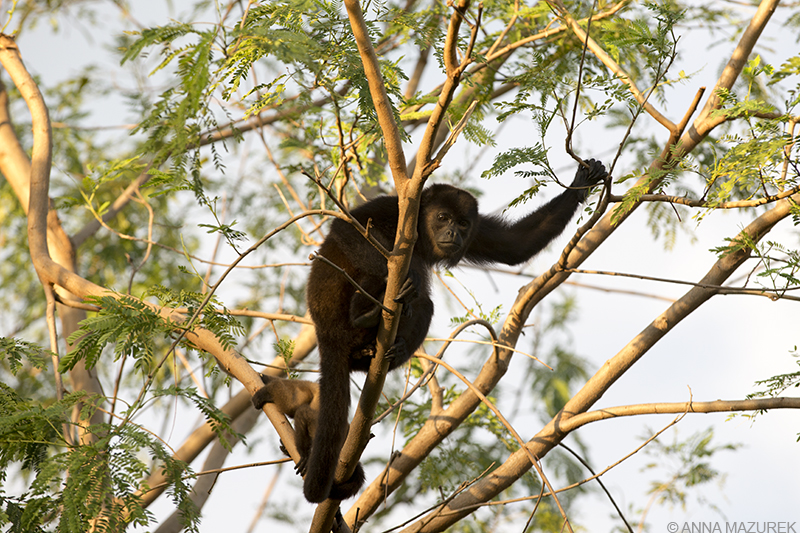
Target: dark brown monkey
column 450, row 229
column 299, row 400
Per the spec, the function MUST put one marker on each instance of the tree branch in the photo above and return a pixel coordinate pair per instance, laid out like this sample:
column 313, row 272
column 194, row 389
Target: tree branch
column 540, row 287
column 534, row 292
column 51, row 272
column 691, row 202
column 718, row 406
column 50, row 235
column 377, row 89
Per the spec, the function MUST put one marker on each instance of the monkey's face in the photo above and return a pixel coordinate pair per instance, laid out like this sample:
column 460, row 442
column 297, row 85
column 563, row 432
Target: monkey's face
column 448, row 217
column 449, row 234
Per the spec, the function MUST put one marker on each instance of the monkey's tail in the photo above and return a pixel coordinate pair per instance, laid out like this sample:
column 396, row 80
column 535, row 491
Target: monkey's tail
column 334, row 404
column 348, row 489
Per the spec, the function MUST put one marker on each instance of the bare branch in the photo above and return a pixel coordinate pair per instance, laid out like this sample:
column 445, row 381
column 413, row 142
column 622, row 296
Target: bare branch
column 772, row 294
column 424, row 166
column 507, row 425
column 718, row 406
column 439, row 354
column 383, row 107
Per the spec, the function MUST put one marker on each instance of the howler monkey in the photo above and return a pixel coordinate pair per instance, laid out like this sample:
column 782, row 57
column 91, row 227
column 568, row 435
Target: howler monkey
column 450, row 230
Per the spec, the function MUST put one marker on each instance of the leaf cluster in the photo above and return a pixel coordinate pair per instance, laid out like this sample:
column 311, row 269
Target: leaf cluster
column 72, row 488
column 213, row 317
column 14, row 350
column 126, row 322
column 777, row 385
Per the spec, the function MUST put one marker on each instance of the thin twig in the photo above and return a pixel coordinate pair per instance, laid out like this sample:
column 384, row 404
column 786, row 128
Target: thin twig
column 599, row 482
column 149, row 248
column 722, row 289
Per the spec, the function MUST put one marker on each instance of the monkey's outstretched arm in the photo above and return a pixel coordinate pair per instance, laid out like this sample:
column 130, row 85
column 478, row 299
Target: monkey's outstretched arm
column 497, row 241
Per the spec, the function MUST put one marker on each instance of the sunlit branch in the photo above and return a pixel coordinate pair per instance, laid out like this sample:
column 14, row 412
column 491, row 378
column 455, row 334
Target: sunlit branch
column 553, row 432
column 380, row 99
column 439, row 354
column 424, row 165
column 585, row 480
column 718, row 406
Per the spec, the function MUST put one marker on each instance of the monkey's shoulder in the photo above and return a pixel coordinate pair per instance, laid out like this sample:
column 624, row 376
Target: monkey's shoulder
column 378, row 216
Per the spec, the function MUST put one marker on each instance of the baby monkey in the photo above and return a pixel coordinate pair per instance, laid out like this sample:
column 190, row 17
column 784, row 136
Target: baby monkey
column 299, row 400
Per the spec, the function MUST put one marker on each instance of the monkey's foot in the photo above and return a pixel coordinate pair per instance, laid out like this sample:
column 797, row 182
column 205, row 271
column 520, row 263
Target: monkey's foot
column 368, row 352
column 408, row 293
column 301, row 466
column 262, row 396
column 398, row 351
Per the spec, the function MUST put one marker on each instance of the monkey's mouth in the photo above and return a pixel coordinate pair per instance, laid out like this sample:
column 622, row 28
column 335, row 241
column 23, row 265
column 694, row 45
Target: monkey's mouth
column 449, row 246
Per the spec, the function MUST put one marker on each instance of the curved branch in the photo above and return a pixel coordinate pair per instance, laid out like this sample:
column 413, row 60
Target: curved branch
column 540, row 287
column 50, row 237
column 507, row 425
column 504, row 52
column 51, row 272
column 201, row 437
column 439, row 354
column 718, row 406
column 433, row 432
column 41, row 155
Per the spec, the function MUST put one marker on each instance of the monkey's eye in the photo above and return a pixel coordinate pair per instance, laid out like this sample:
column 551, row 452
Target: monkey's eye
column 463, row 224
column 442, row 217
